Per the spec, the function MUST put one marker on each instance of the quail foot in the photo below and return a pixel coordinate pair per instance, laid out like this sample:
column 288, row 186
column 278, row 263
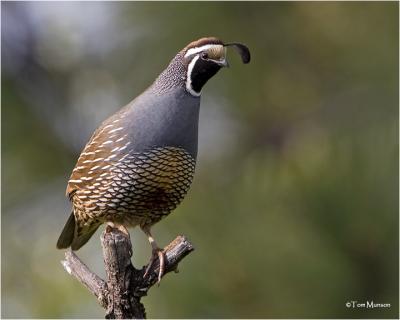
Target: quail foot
column 139, row 163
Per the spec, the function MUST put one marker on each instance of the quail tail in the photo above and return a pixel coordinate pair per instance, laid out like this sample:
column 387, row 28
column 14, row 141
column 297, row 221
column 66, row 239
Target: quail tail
column 67, row 234
column 70, row 238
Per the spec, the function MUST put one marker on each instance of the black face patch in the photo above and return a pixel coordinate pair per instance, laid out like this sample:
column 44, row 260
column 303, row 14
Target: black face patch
column 202, row 71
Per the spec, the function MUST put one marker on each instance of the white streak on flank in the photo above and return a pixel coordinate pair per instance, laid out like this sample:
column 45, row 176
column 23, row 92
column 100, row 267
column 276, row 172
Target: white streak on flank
column 110, row 157
column 86, row 153
column 202, row 48
column 79, row 168
column 115, row 149
column 75, row 181
column 189, row 78
column 87, row 161
column 103, row 174
column 116, row 120
column 114, row 130
column 105, row 167
column 107, row 142
column 98, row 159
column 87, row 178
column 120, row 139
column 123, row 157
column 108, row 126
column 122, row 148
column 94, row 168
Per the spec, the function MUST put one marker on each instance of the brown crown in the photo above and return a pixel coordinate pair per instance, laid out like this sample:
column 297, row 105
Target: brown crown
column 202, row 42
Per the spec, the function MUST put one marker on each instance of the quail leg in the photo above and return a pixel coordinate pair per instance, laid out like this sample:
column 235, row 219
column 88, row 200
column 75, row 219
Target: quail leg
column 120, row 227
column 156, row 252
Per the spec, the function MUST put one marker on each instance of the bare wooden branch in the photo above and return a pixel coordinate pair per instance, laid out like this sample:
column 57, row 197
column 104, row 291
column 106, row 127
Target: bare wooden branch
column 120, row 294
column 75, row 267
column 174, row 253
column 117, row 252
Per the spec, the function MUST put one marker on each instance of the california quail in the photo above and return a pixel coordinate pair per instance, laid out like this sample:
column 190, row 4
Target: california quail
column 139, row 164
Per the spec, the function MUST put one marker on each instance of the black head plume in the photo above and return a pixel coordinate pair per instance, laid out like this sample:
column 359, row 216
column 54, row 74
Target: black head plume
column 243, row 51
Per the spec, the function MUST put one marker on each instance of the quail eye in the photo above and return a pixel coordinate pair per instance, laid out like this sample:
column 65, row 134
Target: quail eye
column 204, row 55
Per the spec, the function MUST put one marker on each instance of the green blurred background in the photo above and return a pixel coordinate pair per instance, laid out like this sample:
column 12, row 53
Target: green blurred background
column 294, row 206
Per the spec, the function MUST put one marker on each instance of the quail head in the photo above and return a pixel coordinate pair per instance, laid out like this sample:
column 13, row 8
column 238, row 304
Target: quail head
column 139, row 164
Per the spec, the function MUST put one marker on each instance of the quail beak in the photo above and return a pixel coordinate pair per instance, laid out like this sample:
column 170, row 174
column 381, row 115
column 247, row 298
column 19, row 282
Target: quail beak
column 223, row 63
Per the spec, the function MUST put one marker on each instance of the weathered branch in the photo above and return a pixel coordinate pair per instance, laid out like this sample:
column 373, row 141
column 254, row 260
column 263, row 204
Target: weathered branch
column 75, row 267
column 120, row 294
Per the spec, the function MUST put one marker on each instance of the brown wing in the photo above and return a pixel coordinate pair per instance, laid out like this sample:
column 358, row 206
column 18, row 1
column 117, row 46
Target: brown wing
column 97, row 158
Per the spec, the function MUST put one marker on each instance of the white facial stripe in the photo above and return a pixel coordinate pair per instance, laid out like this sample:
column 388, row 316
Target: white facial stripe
column 189, row 78
column 199, row 49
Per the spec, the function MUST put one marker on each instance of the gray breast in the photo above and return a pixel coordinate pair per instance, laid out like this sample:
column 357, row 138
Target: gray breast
column 167, row 120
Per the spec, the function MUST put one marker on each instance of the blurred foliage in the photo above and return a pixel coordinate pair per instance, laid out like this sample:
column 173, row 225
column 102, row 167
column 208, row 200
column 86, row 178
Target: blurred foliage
column 294, row 207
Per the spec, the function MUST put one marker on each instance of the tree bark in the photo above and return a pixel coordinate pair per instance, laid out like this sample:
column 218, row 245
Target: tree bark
column 121, row 292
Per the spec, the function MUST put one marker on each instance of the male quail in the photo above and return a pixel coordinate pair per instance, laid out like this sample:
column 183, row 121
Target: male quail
column 138, row 165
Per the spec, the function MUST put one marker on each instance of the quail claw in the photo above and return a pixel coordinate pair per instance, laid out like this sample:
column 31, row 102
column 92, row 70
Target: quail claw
column 156, row 253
